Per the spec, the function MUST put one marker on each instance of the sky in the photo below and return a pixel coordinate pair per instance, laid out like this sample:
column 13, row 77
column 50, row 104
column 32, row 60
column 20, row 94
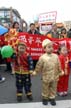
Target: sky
column 30, row 9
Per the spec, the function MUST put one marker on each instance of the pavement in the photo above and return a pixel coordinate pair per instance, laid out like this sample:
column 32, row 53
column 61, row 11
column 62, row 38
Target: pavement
column 8, row 93
column 60, row 104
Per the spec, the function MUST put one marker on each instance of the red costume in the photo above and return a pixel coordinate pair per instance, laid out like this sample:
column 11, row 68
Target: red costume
column 23, row 65
column 63, row 80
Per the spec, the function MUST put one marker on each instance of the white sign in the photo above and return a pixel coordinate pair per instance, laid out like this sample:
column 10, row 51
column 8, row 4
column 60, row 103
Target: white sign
column 48, row 17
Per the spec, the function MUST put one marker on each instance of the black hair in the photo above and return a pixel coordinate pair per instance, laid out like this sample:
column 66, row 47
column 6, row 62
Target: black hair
column 32, row 24
column 58, row 51
column 15, row 24
column 63, row 29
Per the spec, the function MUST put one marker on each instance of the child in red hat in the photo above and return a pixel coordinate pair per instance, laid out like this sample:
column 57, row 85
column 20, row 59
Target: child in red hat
column 23, row 66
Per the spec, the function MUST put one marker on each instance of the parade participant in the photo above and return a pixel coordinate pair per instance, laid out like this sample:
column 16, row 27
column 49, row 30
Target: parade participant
column 49, row 65
column 7, row 60
column 62, row 87
column 23, row 66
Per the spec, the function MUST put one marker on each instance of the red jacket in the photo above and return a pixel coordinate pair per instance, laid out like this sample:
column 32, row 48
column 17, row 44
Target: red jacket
column 64, row 60
column 23, row 64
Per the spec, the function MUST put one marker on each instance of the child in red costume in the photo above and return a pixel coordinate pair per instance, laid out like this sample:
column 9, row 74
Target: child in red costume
column 62, row 87
column 23, row 66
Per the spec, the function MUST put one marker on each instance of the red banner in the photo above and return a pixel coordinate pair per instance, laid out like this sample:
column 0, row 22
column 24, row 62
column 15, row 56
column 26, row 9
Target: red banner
column 34, row 43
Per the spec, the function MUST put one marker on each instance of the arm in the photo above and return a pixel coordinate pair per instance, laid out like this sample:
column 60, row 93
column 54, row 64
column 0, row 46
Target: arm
column 30, row 62
column 39, row 66
column 60, row 70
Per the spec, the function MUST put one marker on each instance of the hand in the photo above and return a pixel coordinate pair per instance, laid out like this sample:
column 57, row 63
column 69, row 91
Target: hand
column 33, row 73
column 62, row 73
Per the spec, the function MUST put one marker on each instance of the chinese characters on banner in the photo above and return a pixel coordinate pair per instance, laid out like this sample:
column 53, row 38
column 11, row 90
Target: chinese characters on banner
column 34, row 43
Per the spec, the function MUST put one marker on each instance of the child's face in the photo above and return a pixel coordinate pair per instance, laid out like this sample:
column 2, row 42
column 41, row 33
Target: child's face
column 21, row 48
column 49, row 48
column 64, row 50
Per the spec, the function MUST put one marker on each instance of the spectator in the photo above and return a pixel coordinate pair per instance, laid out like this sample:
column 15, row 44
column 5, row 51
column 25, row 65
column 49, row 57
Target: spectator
column 53, row 33
column 69, row 33
column 33, row 29
column 63, row 33
column 16, row 26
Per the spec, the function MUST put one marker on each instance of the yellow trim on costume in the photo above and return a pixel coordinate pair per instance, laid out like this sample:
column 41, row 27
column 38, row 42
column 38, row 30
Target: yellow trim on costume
column 23, row 72
column 19, row 94
column 30, row 93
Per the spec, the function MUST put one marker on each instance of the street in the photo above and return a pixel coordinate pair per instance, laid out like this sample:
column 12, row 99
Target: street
column 8, row 91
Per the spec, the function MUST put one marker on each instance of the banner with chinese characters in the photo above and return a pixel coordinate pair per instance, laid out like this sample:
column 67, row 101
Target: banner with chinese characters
column 34, row 43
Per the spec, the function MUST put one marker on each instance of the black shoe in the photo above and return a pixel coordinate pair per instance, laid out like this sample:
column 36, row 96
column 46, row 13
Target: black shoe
column 52, row 102
column 45, row 101
column 29, row 97
column 19, row 98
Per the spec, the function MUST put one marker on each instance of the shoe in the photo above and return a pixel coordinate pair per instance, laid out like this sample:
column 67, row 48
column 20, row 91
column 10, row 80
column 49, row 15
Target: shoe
column 61, row 93
column 52, row 102
column 19, row 98
column 2, row 79
column 29, row 97
column 45, row 101
column 65, row 93
column 12, row 73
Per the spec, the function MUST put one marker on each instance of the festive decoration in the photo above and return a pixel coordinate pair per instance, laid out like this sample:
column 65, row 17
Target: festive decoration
column 11, row 35
column 34, row 43
column 6, row 51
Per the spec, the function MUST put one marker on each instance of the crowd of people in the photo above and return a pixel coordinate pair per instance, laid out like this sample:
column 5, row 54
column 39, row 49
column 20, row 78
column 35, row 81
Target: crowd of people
column 54, row 67
column 54, row 33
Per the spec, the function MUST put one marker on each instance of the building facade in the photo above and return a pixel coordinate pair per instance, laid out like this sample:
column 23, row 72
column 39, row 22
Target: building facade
column 9, row 15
